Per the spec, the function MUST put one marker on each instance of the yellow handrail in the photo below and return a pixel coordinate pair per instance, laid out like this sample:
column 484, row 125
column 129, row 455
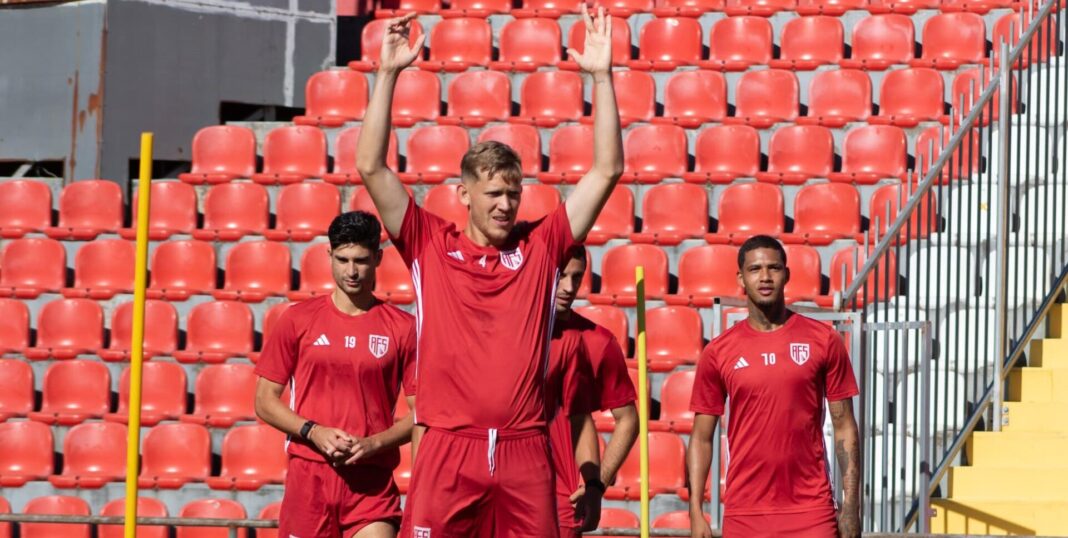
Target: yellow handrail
column 643, row 402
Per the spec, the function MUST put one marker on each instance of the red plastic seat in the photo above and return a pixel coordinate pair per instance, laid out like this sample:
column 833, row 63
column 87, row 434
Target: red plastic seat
column 417, row 97
column 73, row 392
column 443, row 201
column 550, row 9
column 692, row 98
column 163, row 394
column 909, row 96
column 798, row 153
column 393, row 281
column 345, row 172
column 234, row 210
column 809, row 42
column 687, row 8
column 292, row 154
column 222, row 153
column 315, row 275
column 457, row 44
column 181, row 269
column 16, row 389
column 550, row 97
column 271, row 511
column 334, row 97
column 672, row 213
column 94, row 454
column 15, row 332
column 871, row 153
column 402, row 475
column 214, row 509
column 304, row 211
column 838, row 97
column 635, row 97
column 679, row 519
column 880, row 41
column 477, row 98
column 805, row 280
column 706, row 272
column 616, row 219
column 87, row 209
column 256, row 270
column 624, row 8
column 252, row 456
column 724, row 153
column 884, row 283
column 748, row 209
column 764, row 98
column 675, row 414
column 907, row 7
column 537, row 202
column 621, row 53
column 160, row 334
column 103, row 268
column 146, row 507
column 833, row 8
column 759, row 8
column 67, row 328
column 371, row 43
column 25, row 206
column 524, row 139
column 617, row 274
column 173, row 455
column 32, row 266
column 654, row 152
column 610, row 317
column 736, row 43
column 27, row 453
column 1007, row 29
column 951, row 40
column 60, row 505
column 961, row 165
column 968, row 86
column 476, row 8
column 667, row 450
column 397, row 8
column 977, row 6
column 570, row 154
column 217, row 331
column 824, row 212
column 527, row 44
column 618, row 518
column 665, row 44
column 5, row 528
column 434, row 153
column 177, row 216
column 885, row 203
column 674, row 336
column 274, row 313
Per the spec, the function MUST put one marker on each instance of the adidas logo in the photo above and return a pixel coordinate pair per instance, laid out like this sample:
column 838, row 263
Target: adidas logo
column 742, row 363
column 321, row 341
column 457, row 255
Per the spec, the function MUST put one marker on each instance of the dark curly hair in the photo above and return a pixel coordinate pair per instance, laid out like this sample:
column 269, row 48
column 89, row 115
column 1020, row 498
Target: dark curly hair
column 760, row 241
column 355, row 227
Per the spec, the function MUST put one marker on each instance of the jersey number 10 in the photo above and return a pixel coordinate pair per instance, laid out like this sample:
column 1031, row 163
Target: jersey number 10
column 769, row 359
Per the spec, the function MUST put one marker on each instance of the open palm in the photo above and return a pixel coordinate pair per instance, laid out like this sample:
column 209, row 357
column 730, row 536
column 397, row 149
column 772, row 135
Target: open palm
column 396, row 52
column 597, row 56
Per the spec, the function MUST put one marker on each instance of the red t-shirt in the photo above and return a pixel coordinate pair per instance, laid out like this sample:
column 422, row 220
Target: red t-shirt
column 484, row 319
column 776, row 382
column 346, row 370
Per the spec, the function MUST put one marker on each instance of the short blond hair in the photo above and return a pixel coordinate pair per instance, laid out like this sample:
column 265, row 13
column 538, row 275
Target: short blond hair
column 491, row 158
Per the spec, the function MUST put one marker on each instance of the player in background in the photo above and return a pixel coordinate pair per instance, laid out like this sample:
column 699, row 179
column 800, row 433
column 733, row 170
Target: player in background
column 610, row 388
column 776, row 368
column 347, row 355
column 484, row 310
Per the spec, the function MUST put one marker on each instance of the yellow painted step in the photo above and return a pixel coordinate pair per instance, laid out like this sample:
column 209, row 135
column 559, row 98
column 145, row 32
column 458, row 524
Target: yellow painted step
column 1000, row 517
column 1020, row 449
column 1038, row 385
column 1008, row 483
column 1058, row 322
column 1036, row 417
column 1049, row 353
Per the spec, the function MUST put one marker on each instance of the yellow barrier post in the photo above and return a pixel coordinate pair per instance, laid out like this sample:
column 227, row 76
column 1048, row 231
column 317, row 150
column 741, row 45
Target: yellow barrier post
column 643, row 402
column 133, row 441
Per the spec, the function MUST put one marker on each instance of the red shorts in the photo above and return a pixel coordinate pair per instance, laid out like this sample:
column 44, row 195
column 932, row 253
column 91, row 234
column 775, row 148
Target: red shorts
column 463, row 485
column 322, row 500
column 820, row 523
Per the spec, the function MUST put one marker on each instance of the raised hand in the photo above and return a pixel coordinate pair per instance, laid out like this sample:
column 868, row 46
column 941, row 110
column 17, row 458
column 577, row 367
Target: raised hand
column 396, row 53
column 596, row 58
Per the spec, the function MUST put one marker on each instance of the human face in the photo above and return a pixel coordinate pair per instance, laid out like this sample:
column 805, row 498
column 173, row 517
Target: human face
column 568, row 284
column 763, row 277
column 492, row 205
column 353, row 267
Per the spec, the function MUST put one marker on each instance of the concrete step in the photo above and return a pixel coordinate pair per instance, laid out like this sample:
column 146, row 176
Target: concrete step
column 952, row 516
column 1008, row 483
column 1019, row 449
column 1036, row 417
column 1038, row 385
column 1049, row 353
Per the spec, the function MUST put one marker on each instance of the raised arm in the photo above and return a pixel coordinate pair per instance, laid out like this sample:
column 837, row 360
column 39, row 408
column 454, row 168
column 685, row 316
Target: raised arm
column 847, row 452
column 382, row 184
column 698, row 464
column 591, row 193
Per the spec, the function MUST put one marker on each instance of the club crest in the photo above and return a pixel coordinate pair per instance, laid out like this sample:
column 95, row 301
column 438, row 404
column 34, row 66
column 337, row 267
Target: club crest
column 379, row 345
column 512, row 259
column 799, row 353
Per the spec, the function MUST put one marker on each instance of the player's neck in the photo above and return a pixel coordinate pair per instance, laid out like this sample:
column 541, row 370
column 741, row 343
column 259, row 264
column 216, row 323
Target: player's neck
column 769, row 318
column 352, row 305
column 477, row 237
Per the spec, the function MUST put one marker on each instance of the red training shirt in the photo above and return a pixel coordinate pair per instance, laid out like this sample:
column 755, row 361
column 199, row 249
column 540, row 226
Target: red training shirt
column 484, row 319
column 346, row 370
column 776, row 382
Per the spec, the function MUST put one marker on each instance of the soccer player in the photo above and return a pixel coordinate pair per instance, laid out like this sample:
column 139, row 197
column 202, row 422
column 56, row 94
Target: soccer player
column 776, row 369
column 611, row 389
column 484, row 310
column 346, row 355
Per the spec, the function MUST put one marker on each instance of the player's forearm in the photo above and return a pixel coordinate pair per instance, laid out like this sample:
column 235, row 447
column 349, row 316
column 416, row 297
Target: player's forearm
column 374, row 132
column 396, row 435
column 698, row 465
column 607, row 134
column 847, row 452
column 619, row 445
column 271, row 410
column 587, row 455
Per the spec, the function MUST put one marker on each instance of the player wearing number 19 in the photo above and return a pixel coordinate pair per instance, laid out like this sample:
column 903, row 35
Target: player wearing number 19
column 776, row 369
column 346, row 355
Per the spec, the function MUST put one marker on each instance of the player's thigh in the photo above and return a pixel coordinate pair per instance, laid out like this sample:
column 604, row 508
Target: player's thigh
column 524, row 500
column 377, row 529
column 449, row 484
column 306, row 509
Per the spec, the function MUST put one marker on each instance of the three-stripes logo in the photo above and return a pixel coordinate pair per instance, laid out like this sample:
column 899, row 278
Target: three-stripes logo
column 742, row 363
column 321, row 341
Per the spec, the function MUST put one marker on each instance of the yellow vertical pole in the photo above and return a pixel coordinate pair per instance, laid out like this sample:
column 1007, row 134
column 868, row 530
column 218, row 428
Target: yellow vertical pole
column 643, row 402
column 133, row 441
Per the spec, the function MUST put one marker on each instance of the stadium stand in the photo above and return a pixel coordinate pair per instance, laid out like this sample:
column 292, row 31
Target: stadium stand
column 74, row 391
column 334, row 98
column 344, row 171
column 94, row 453
column 304, row 211
column 32, row 266
column 25, row 206
column 177, row 216
column 182, row 268
column 292, row 154
column 251, row 457
column 173, row 454
column 224, row 394
column 476, row 98
column 15, row 332
column 27, row 455
column 67, row 328
column 232, row 211
column 547, row 98
column 146, row 507
column 16, row 389
column 222, row 153
column 56, row 505
column 160, row 336
column 87, row 209
column 102, row 269
column 212, row 508
column 163, row 394
column 256, row 270
column 617, row 276
column 217, row 331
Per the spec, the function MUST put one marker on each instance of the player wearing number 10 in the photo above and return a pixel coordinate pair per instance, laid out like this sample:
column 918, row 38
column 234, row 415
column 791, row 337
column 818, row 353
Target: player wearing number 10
column 776, row 369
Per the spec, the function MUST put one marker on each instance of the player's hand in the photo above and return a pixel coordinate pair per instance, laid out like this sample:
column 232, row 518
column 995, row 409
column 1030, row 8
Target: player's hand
column 587, row 504
column 699, row 528
column 332, row 442
column 596, row 57
column 848, row 523
column 396, row 53
column 362, row 448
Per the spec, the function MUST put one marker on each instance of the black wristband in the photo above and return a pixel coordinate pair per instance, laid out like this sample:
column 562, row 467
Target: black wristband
column 596, row 484
column 306, row 429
